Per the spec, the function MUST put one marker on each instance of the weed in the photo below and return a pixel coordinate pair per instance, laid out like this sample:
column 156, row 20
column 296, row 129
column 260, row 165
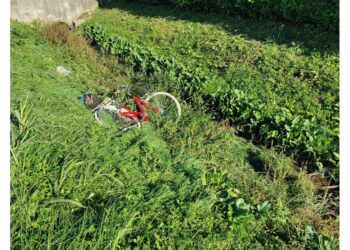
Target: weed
column 297, row 132
column 78, row 185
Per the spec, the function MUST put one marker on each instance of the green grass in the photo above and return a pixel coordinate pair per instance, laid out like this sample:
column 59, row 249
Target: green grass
column 288, row 70
column 294, row 66
column 76, row 185
column 323, row 14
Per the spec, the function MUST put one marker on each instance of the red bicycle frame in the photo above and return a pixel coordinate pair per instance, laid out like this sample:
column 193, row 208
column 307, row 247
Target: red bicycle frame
column 137, row 115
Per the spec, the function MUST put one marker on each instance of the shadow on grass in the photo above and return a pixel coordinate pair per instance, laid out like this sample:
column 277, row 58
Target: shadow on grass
column 256, row 160
column 306, row 36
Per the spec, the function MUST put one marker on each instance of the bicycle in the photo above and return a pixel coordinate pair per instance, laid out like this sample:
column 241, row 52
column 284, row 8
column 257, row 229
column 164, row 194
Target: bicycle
column 160, row 107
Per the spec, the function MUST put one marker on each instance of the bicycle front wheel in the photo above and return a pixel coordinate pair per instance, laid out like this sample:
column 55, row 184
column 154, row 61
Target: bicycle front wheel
column 168, row 108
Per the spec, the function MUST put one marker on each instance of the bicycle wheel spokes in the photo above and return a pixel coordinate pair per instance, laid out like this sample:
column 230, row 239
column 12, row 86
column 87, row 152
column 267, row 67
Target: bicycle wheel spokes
column 105, row 117
column 168, row 108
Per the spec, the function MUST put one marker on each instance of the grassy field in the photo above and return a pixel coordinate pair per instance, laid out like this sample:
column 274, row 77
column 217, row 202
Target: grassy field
column 195, row 185
column 281, row 63
column 323, row 14
column 287, row 75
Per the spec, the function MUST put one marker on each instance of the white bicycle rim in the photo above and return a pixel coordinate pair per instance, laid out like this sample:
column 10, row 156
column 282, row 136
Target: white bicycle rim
column 178, row 107
column 112, row 108
column 106, row 107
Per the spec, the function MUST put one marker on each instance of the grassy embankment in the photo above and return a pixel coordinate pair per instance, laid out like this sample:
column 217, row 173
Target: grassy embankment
column 323, row 14
column 288, row 76
column 76, row 185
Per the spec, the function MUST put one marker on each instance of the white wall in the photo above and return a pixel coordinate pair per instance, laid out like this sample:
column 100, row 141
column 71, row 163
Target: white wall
column 50, row 10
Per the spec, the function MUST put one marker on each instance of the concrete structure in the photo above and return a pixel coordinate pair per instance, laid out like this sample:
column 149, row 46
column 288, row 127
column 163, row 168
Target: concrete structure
column 67, row 11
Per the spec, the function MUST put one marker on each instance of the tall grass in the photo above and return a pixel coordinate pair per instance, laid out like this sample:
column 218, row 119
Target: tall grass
column 278, row 82
column 77, row 185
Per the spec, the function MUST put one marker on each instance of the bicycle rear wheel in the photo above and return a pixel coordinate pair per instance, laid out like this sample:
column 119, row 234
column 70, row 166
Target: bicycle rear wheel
column 107, row 116
column 169, row 109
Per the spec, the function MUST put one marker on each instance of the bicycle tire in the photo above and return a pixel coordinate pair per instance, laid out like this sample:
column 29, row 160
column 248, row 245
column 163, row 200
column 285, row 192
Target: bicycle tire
column 169, row 114
column 107, row 116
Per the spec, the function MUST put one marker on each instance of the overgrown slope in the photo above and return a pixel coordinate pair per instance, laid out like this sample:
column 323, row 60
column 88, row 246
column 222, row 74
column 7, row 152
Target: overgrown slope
column 196, row 185
column 322, row 13
column 282, row 95
column 279, row 83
